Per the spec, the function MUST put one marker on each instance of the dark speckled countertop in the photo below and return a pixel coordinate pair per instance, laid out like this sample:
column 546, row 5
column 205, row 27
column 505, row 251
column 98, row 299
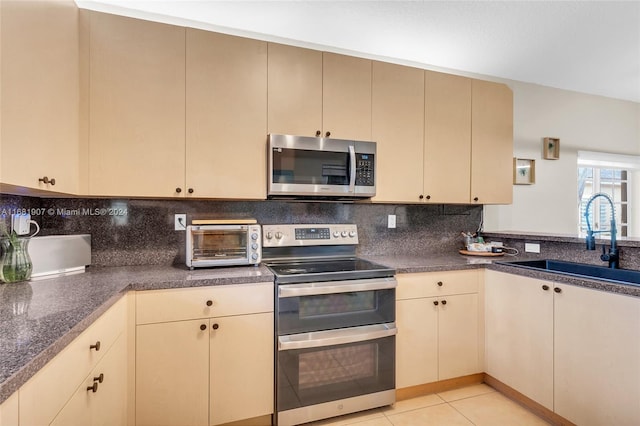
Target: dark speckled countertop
column 40, row 318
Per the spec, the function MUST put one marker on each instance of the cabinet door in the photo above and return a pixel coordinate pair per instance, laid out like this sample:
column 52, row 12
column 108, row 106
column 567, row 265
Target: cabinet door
column 519, row 334
column 458, row 334
column 241, row 367
column 172, row 373
column 40, row 95
column 346, row 97
column 226, row 128
column 398, row 128
column 9, row 411
column 416, row 342
column 108, row 405
column 447, row 140
column 294, row 90
column 137, row 107
column 492, row 143
column 597, row 357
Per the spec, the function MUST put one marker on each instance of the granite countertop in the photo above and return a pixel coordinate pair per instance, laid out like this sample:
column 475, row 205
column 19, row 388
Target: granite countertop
column 40, row 318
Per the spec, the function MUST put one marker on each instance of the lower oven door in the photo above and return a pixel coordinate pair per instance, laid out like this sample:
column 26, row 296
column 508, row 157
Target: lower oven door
column 329, row 373
column 315, row 306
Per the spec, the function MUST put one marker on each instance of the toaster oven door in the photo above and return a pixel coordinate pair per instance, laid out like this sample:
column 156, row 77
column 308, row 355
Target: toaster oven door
column 218, row 245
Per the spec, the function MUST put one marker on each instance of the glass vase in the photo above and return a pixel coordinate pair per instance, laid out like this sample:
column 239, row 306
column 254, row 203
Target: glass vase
column 15, row 263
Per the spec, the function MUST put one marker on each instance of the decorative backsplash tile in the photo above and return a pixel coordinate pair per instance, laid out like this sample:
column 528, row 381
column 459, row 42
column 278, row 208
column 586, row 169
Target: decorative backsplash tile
column 141, row 231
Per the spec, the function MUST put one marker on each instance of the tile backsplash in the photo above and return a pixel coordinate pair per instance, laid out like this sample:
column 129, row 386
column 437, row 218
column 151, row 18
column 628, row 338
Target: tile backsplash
column 141, row 231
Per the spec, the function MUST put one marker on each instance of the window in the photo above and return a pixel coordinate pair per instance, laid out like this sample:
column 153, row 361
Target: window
column 613, row 182
column 611, row 174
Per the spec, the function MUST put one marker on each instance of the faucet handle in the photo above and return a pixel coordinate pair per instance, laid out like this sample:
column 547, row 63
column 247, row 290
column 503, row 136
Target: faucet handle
column 591, row 242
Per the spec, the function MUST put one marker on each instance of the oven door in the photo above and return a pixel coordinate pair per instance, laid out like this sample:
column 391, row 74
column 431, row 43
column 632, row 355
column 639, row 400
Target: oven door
column 308, row 307
column 335, row 371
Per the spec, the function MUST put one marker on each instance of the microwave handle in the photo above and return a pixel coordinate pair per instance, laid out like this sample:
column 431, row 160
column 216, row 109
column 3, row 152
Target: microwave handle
column 352, row 169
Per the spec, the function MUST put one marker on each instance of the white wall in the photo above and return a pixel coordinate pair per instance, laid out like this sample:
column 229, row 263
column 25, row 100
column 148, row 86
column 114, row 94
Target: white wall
column 582, row 122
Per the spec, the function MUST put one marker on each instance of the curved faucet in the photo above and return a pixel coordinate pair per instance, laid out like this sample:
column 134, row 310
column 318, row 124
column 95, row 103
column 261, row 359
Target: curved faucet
column 613, row 257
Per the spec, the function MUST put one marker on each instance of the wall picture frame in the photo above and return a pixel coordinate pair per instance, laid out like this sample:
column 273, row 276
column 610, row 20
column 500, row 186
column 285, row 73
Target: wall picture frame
column 524, row 171
column 551, row 148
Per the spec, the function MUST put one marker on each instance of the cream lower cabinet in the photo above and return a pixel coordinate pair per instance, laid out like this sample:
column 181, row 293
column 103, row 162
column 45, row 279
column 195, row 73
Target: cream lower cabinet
column 519, row 334
column 58, row 392
column 210, row 360
column 596, row 357
column 572, row 349
column 9, row 411
column 437, row 315
column 100, row 400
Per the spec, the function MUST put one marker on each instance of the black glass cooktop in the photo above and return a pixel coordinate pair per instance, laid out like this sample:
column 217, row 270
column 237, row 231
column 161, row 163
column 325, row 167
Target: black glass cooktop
column 328, row 270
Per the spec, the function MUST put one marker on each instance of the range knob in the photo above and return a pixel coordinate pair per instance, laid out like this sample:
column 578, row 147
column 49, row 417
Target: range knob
column 254, row 236
column 336, row 234
column 352, row 233
column 344, row 234
column 278, row 235
column 269, row 235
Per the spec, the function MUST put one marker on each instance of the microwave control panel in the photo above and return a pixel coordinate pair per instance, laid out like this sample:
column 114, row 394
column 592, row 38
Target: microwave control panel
column 309, row 235
column 365, row 170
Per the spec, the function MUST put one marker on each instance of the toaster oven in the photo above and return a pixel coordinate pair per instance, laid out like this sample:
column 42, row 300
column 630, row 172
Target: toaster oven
column 223, row 243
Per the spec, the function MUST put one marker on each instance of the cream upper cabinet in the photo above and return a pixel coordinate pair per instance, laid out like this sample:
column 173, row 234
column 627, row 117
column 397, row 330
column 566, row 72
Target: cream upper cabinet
column 346, row 97
column 226, row 121
column 438, row 320
column 40, row 86
column 295, row 90
column 492, row 143
column 447, row 140
column 519, row 334
column 596, row 357
column 397, row 123
column 313, row 93
column 137, row 107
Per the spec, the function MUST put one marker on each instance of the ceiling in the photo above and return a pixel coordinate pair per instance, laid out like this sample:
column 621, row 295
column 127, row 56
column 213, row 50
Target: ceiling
column 585, row 46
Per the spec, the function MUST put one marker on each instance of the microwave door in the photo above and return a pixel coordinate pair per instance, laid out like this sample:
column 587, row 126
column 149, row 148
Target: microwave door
column 352, row 169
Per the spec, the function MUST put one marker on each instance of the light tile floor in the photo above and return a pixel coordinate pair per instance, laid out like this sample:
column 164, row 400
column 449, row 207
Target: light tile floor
column 473, row 405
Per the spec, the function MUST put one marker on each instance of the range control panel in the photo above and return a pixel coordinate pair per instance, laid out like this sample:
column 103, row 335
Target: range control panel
column 309, row 235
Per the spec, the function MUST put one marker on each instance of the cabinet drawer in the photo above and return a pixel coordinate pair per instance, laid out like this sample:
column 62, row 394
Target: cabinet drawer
column 42, row 397
column 203, row 302
column 434, row 284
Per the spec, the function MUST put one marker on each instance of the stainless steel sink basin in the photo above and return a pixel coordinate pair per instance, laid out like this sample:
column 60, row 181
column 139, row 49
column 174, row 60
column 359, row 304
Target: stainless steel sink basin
column 626, row 276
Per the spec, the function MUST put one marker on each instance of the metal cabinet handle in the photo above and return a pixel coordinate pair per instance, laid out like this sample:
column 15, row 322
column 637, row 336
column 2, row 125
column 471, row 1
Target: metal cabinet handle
column 318, row 133
column 203, row 327
column 444, row 302
column 190, row 190
column 209, row 302
column 545, row 287
column 99, row 379
column 96, row 346
column 215, row 326
column 327, row 134
column 93, row 388
column 428, row 197
column 435, row 302
column 440, row 283
column 475, row 199
column 178, row 190
column 421, row 196
column 46, row 180
column 557, row 289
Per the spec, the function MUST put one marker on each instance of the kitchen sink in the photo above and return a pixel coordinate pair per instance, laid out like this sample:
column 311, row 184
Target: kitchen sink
column 626, row 276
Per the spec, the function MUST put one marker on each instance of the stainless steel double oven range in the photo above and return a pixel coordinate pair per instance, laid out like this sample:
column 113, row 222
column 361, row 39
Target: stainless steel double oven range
column 335, row 323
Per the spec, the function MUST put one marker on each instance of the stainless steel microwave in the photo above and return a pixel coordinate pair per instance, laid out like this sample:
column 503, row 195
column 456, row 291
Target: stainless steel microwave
column 301, row 166
column 223, row 244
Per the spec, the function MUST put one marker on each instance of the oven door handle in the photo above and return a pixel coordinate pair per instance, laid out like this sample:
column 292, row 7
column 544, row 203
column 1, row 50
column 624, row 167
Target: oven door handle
column 341, row 336
column 329, row 287
column 352, row 169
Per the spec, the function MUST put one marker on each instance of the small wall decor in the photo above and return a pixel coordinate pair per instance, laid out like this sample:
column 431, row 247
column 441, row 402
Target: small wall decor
column 524, row 171
column 551, row 148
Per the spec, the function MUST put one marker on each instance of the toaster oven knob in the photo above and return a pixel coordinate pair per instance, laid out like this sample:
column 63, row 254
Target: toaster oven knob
column 269, row 235
column 254, row 236
column 254, row 256
column 278, row 235
column 254, row 246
